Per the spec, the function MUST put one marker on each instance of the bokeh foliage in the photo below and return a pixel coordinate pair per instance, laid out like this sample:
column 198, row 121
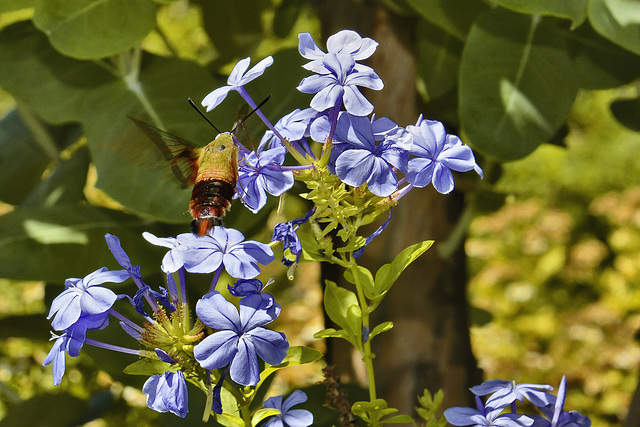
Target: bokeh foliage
column 508, row 74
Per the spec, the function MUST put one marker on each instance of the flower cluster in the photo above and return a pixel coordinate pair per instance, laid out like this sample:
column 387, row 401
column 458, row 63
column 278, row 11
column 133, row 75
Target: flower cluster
column 173, row 347
column 357, row 150
column 504, row 394
column 356, row 167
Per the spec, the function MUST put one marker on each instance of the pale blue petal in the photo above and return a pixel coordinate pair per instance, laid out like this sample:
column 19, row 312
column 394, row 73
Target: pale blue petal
column 214, row 98
column 270, row 345
column 354, row 167
column 257, row 70
column 298, row 418
column 216, row 312
column 442, row 179
column 296, row 398
column 315, row 83
column 217, row 350
column 382, row 181
column 244, row 367
column 420, row 171
column 355, row 102
column 97, row 300
column 327, row 97
column 235, row 77
column 308, row 48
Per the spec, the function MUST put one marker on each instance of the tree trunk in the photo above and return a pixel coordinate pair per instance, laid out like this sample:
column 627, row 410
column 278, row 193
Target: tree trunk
column 429, row 346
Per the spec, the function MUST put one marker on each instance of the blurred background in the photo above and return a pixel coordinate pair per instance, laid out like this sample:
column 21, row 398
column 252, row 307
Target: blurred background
column 535, row 272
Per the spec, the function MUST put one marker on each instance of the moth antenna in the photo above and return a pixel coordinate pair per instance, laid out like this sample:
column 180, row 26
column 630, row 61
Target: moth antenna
column 252, row 111
column 195, row 107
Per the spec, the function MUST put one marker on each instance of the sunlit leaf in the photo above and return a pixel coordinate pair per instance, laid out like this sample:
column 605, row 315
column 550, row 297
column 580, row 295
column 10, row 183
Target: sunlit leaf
column 575, row 10
column 617, row 20
column 93, row 29
column 516, row 83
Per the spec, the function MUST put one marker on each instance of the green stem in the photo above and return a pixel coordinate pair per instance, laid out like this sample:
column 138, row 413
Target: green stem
column 367, row 355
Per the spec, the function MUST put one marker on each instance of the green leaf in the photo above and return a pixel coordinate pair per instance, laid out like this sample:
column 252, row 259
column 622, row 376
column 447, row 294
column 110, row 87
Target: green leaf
column 627, row 112
column 55, row 243
column 617, row 20
column 9, row 5
column 398, row 419
column 56, row 87
column 23, row 160
column 228, row 420
column 575, row 10
column 234, row 29
column 389, row 273
column 599, row 63
column 263, row 413
column 373, row 412
column 332, row 333
column 93, row 29
column 516, row 83
column 453, row 16
column 382, row 327
column 438, row 59
column 147, row 367
column 297, row 355
column 62, row 90
column 64, row 185
column 342, row 308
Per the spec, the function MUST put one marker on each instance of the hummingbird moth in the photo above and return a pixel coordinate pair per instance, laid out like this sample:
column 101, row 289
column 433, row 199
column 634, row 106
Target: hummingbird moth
column 212, row 171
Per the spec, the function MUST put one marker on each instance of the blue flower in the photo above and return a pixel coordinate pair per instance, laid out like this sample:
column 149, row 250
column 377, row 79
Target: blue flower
column 238, row 78
column 343, row 42
column 251, row 290
column 288, row 417
column 293, row 126
column 84, row 297
column 337, row 74
column 240, row 338
column 285, row 232
column 485, row 417
column 172, row 260
column 167, row 393
column 339, row 83
column 71, row 342
column 503, row 393
column 436, row 154
column 360, row 160
column 559, row 418
column 221, row 246
column 261, row 173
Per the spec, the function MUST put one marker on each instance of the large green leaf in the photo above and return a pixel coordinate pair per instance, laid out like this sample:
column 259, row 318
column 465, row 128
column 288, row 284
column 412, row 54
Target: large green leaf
column 55, row 243
column 234, row 28
column 9, row 5
column 438, row 59
column 22, row 161
column 516, row 83
column 599, row 63
column 453, row 16
column 575, row 10
column 617, row 20
column 131, row 169
column 54, row 86
column 92, row 29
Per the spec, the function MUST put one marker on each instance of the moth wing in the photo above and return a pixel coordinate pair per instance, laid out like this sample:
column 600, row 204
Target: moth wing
column 182, row 154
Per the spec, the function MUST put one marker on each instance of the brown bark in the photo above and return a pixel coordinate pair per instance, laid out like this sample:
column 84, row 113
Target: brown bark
column 429, row 346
